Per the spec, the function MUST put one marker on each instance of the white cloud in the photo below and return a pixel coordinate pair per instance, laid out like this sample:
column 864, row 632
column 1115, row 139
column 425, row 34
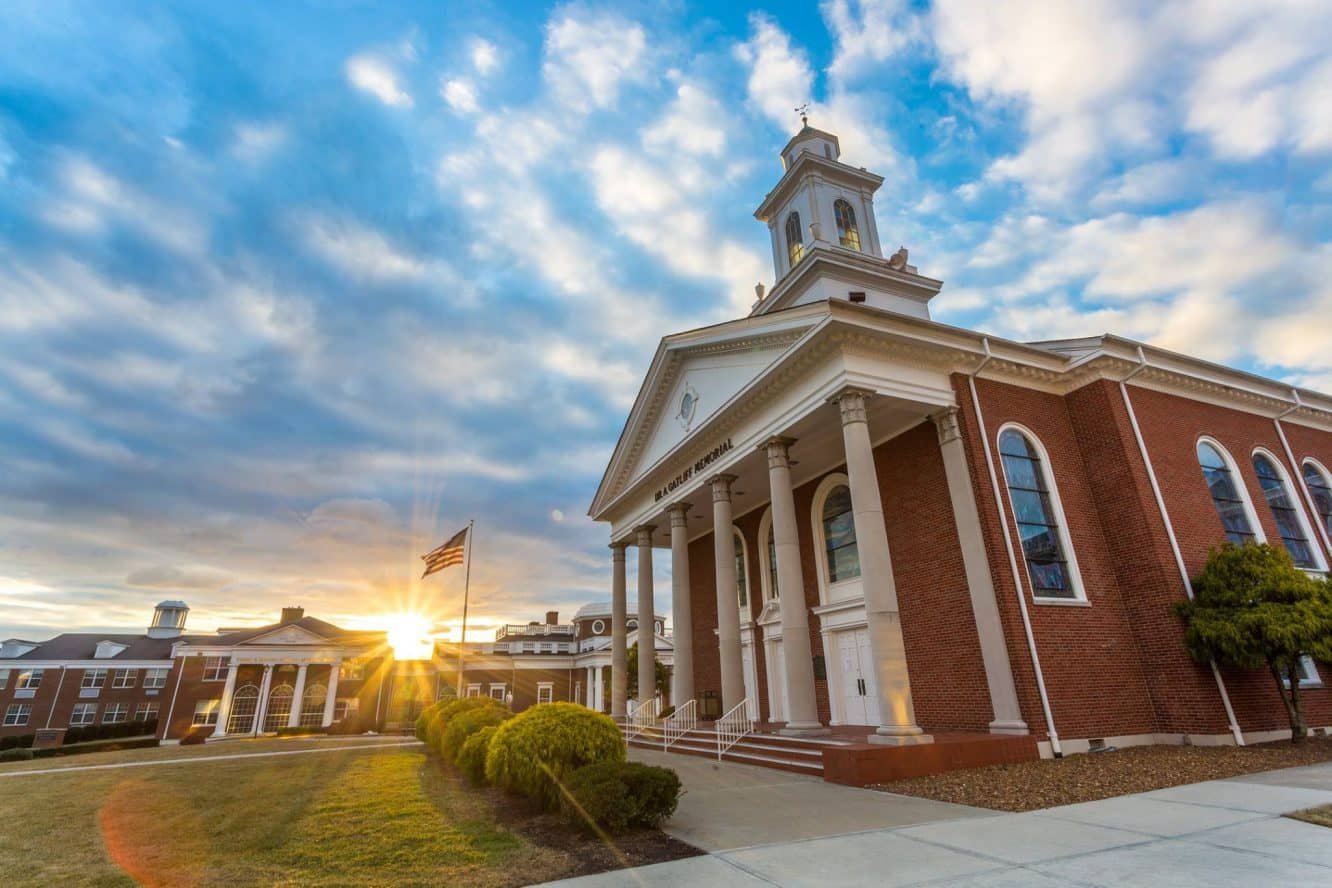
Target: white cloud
column 589, row 56
column 359, row 251
column 867, row 32
column 780, row 77
column 255, row 141
column 460, row 94
column 695, row 123
column 374, row 76
column 484, row 55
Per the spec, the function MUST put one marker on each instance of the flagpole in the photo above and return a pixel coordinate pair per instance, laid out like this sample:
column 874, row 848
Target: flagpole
column 467, row 583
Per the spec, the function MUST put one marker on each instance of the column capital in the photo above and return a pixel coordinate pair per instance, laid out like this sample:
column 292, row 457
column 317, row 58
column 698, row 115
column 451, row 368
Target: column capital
column 721, row 487
column 945, row 423
column 778, row 449
column 678, row 511
column 617, row 548
column 643, row 532
column 851, row 401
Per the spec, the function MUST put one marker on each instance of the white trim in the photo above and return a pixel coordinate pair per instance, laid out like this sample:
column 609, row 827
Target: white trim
column 1241, row 487
column 746, row 609
column 1311, row 669
column 855, row 587
column 1321, row 469
column 1310, row 536
column 598, row 626
column 765, row 571
column 1052, row 490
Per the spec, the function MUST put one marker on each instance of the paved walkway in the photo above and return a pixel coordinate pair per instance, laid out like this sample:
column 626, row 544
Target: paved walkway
column 1219, row 833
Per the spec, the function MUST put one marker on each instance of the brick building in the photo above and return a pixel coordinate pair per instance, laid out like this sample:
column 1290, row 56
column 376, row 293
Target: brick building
column 878, row 520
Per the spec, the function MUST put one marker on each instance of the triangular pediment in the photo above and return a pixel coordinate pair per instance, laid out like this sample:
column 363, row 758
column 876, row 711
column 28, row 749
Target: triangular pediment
column 286, row 635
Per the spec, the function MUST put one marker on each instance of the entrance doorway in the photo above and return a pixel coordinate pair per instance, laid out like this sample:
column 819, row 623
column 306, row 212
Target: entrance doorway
column 860, row 693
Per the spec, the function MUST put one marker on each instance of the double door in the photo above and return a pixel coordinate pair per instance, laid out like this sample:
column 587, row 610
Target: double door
column 860, row 692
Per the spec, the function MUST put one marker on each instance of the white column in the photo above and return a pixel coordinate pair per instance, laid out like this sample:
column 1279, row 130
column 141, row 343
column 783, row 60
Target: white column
column 599, row 679
column 802, row 716
column 647, row 644
column 224, row 708
column 984, row 608
column 588, row 679
column 261, row 709
column 897, row 715
column 682, row 675
column 331, row 697
column 728, row 608
column 294, row 719
column 619, row 641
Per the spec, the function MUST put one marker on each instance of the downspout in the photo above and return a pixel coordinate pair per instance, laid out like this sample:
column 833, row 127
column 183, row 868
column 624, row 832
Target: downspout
column 50, row 713
column 1012, row 556
column 1298, row 469
column 1170, row 532
column 171, row 710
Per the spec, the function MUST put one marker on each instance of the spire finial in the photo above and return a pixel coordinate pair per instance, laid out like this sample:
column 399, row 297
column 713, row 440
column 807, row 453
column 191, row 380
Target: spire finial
column 803, row 111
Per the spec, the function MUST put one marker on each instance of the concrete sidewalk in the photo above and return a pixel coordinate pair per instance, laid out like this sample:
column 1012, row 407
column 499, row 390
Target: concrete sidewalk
column 1219, row 833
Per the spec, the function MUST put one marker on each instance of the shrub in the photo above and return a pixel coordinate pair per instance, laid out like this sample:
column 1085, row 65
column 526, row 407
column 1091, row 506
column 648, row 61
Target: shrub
column 464, row 725
column 472, row 756
column 534, row 752
column 615, row 796
column 194, row 738
column 453, row 709
column 427, row 715
column 16, row 754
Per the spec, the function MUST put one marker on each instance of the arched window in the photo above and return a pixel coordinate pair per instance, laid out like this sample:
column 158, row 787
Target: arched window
column 767, row 558
column 1320, row 488
column 244, row 705
column 1288, row 520
column 847, row 233
column 1230, row 504
column 1034, row 500
column 795, row 240
column 312, row 705
column 741, row 572
column 279, row 707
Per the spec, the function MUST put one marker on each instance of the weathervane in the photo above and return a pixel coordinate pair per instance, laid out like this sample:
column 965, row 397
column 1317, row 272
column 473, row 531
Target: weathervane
column 803, row 111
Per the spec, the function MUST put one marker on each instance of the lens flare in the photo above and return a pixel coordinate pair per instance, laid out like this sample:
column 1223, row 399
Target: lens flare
column 409, row 636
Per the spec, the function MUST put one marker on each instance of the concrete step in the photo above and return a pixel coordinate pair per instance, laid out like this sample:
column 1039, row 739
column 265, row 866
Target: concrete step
column 753, row 749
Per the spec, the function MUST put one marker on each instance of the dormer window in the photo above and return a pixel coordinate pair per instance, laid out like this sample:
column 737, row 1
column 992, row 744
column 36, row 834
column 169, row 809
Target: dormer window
column 795, row 243
column 847, row 233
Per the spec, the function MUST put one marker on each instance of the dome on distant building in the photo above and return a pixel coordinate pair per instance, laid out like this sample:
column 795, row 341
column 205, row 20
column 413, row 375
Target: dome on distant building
column 603, row 609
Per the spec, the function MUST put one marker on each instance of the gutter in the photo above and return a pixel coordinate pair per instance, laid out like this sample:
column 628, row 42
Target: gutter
column 1012, row 556
column 1170, row 532
column 50, row 713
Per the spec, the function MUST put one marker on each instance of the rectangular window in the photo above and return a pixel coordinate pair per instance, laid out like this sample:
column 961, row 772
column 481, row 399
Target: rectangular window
column 115, row 713
column 205, row 713
column 474, row 690
column 342, row 708
column 93, row 678
column 351, row 670
column 155, row 678
column 29, row 679
column 497, row 691
column 145, row 712
column 16, row 716
column 1308, row 672
column 124, row 678
column 215, row 668
column 545, row 692
column 4, row 679
column 83, row 714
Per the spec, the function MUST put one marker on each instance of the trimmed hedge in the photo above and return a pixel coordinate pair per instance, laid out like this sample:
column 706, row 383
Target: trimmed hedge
column 194, row 738
column 426, row 717
column 615, row 796
column 533, row 753
column 452, row 709
column 472, row 756
column 465, row 724
column 111, row 732
column 16, row 754
column 16, row 741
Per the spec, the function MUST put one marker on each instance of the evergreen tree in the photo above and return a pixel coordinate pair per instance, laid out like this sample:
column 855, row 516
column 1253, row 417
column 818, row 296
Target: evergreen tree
column 631, row 667
column 1253, row 607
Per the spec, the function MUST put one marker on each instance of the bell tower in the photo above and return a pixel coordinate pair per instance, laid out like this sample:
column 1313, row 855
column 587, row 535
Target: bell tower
column 825, row 238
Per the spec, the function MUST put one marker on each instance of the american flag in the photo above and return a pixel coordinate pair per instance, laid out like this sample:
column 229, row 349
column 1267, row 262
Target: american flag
column 451, row 553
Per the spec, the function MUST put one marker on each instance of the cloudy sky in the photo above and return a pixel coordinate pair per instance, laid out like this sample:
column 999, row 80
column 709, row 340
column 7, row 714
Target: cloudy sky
column 287, row 295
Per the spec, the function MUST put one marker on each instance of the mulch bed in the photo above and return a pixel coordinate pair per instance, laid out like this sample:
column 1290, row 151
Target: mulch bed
column 1028, row 786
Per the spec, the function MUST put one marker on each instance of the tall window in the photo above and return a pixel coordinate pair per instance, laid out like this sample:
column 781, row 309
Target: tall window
column 839, row 536
column 244, row 705
column 29, row 679
column 1225, row 494
column 847, row 233
column 1282, row 505
column 144, row 712
column 16, row 716
column 215, row 668
column 1029, row 493
column 795, row 241
column 772, row 565
column 279, row 707
column 312, row 705
column 205, row 712
column 1320, row 488
column 93, row 678
column 741, row 581
column 115, row 713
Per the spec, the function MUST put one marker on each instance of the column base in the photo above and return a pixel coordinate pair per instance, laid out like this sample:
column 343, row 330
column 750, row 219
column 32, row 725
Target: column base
column 804, row 729
column 1016, row 728
column 910, row 736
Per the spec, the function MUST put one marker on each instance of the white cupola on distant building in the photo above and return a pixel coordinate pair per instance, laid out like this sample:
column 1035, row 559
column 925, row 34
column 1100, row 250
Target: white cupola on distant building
column 168, row 619
column 825, row 238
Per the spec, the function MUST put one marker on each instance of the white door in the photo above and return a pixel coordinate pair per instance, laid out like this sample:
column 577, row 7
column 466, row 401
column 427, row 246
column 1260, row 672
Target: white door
column 859, row 690
column 751, row 678
column 868, row 678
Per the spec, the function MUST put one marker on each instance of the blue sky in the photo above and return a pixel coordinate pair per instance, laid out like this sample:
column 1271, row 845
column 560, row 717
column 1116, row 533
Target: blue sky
column 287, row 294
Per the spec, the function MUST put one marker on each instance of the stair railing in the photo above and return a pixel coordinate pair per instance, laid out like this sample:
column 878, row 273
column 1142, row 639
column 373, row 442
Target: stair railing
column 641, row 717
column 733, row 726
column 680, row 722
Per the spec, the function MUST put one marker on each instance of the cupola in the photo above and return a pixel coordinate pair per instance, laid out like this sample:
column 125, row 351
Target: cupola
column 168, row 619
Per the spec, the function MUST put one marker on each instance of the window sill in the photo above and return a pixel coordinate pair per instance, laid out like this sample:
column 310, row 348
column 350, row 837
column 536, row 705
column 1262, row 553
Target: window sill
column 1061, row 602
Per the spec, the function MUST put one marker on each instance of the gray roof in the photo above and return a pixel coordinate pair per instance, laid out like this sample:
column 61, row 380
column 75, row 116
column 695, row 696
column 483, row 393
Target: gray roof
column 83, row 646
column 603, row 609
column 310, row 624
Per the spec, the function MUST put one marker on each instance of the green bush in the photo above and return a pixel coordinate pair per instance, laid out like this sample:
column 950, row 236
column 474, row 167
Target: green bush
column 16, row 754
column 472, row 756
column 534, row 752
column 453, row 709
column 115, row 731
column 17, row 740
column 427, row 715
column 615, row 796
column 194, row 738
column 464, row 725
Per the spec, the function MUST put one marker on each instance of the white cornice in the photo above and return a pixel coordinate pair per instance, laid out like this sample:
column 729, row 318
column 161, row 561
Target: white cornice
column 823, row 259
column 806, row 164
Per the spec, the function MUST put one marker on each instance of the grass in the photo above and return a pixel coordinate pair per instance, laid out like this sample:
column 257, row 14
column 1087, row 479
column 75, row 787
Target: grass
column 350, row 816
column 1320, row 816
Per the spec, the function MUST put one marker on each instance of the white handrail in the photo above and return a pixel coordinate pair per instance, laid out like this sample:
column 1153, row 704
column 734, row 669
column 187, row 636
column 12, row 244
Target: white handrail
column 680, row 722
column 732, row 726
column 641, row 717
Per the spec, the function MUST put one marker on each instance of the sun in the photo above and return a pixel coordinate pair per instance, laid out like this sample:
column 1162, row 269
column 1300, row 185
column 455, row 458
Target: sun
column 409, row 636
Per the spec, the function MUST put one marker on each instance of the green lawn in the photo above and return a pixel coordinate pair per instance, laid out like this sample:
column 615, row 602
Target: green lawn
column 345, row 817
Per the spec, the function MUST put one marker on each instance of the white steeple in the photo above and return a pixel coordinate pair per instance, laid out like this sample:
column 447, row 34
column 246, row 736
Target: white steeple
column 825, row 239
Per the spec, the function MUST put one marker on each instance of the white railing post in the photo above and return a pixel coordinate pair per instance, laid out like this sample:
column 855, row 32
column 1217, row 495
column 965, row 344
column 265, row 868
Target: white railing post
column 679, row 723
column 641, row 717
column 733, row 726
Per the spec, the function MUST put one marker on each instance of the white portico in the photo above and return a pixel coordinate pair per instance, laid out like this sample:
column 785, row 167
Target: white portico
column 834, row 363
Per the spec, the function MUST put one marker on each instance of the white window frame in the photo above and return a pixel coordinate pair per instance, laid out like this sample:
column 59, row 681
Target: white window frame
column 494, row 686
column 4, row 678
column 82, row 715
column 120, row 710
column 215, row 668
column 149, row 711
column 1297, row 502
column 1079, row 598
column 767, row 587
column 156, row 678
column 1241, row 486
column 1321, row 469
column 746, row 609
column 1309, row 677
column 345, row 706
column 17, row 715
column 631, row 623
column 93, row 678
column 598, row 627
column 548, row 687
column 854, row 586
column 29, row 679
column 205, row 713
column 474, row 690
column 124, row 678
